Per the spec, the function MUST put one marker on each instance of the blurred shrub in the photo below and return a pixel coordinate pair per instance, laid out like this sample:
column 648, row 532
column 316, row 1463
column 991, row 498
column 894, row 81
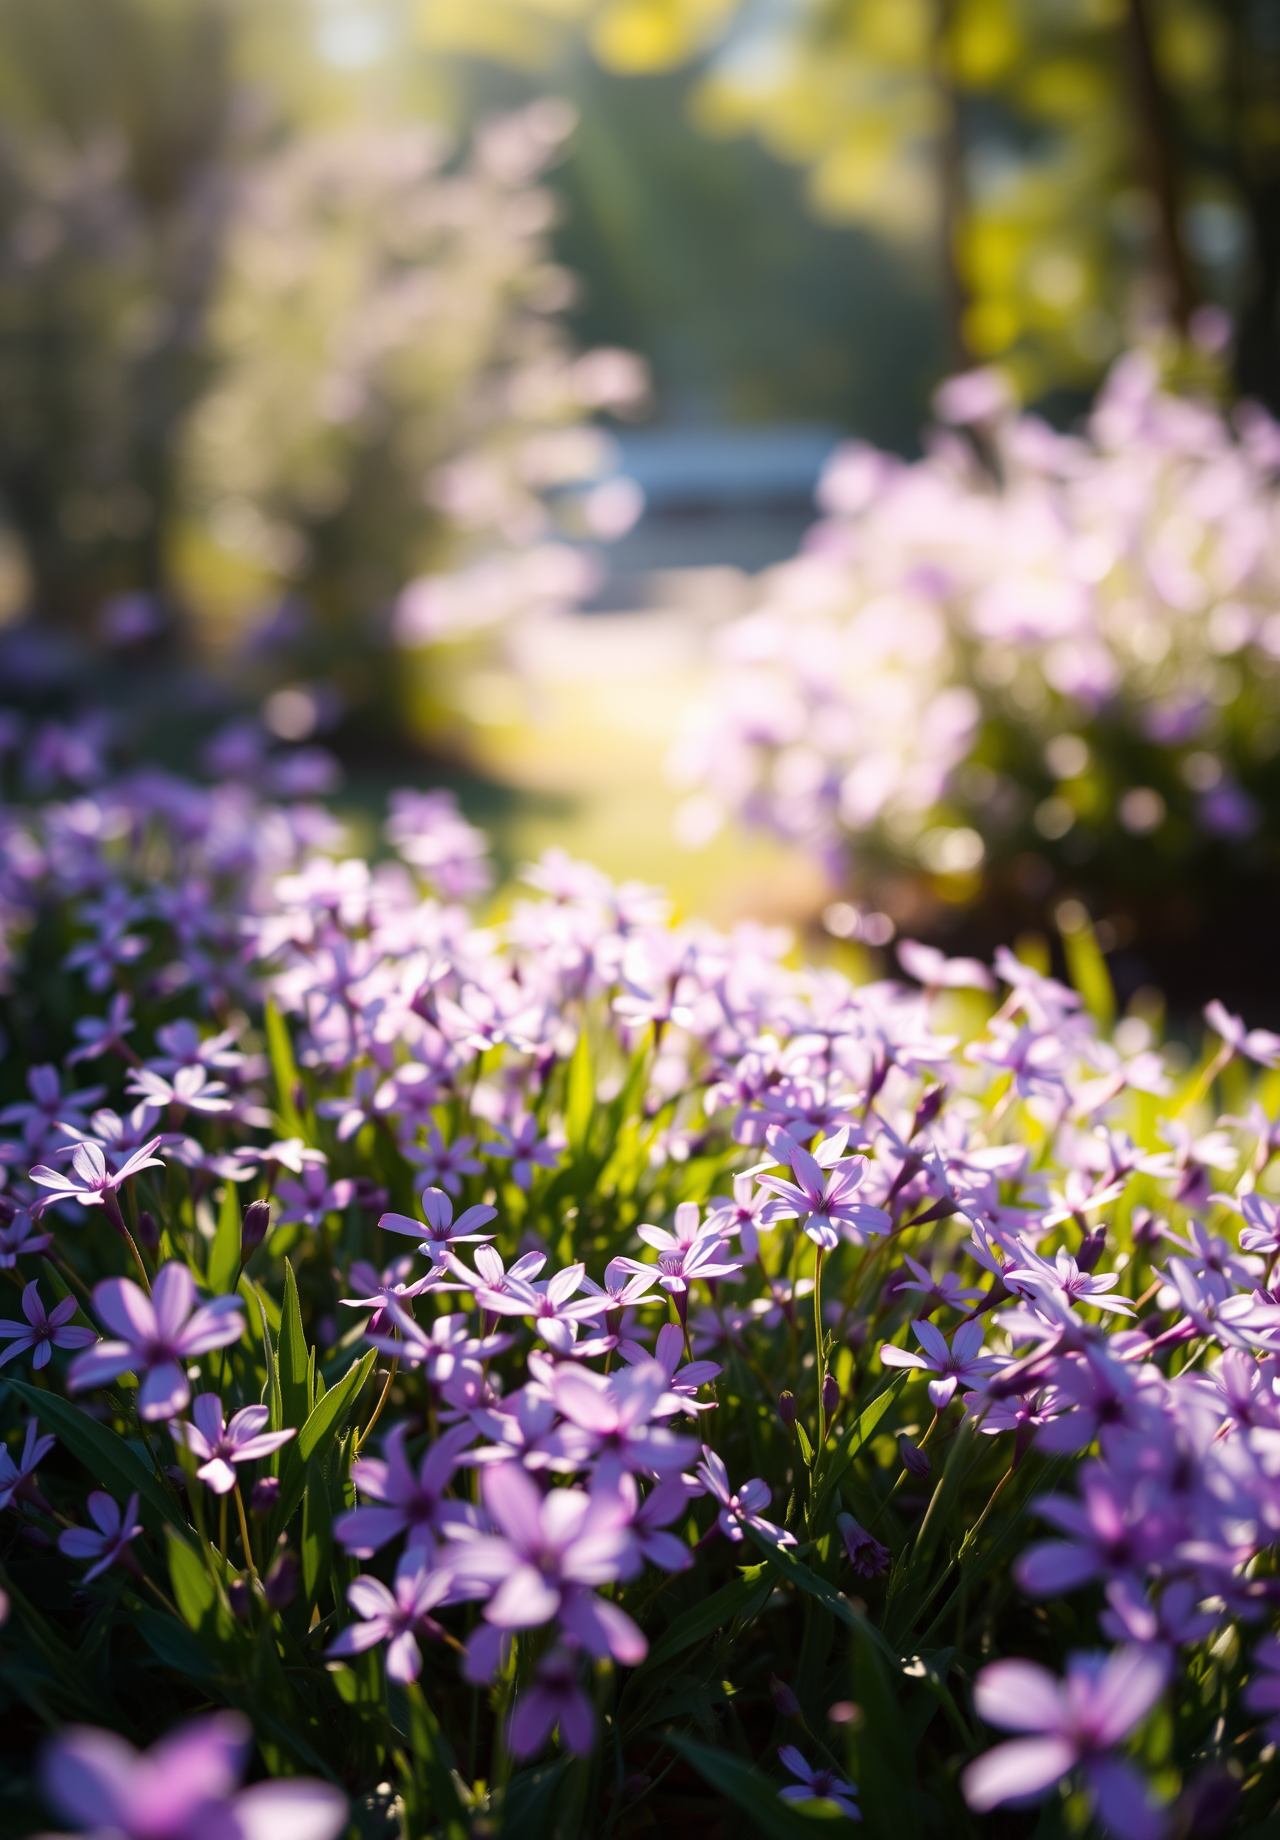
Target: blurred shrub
column 1051, row 654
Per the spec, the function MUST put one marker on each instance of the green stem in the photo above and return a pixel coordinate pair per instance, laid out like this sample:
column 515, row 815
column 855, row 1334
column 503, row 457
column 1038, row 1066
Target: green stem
column 818, row 1344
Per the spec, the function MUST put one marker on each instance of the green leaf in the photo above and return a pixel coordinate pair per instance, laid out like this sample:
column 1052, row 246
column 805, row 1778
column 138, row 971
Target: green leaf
column 529, row 1798
column 1086, row 966
column 198, row 1599
column 800, row 1575
column 431, row 1752
column 806, row 1448
column 112, row 1463
column 746, row 1595
column 884, row 1766
column 316, row 1439
column 274, row 1400
column 284, row 1067
column 754, row 1794
column 173, row 1644
column 224, row 1254
column 292, row 1357
column 840, row 1455
column 317, row 1533
column 580, row 1097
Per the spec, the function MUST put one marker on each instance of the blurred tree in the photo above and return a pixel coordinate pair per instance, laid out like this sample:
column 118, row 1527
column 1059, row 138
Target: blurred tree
column 120, row 134
column 1079, row 167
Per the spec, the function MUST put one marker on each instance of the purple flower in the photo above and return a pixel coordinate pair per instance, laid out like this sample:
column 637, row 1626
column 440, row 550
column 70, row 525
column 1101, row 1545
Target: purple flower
column 398, row 1616
column 1111, row 1533
column 312, row 1196
column 43, row 1332
column 549, row 1553
column 19, row 1239
column 556, row 1698
column 183, row 1788
column 946, row 1292
column 412, row 1502
column 692, row 1251
column 608, row 1418
column 817, row 1785
column 555, row 1309
column 189, row 1088
column 12, row 1475
column 220, row 1446
column 102, row 1034
column 752, row 1211
column 1262, row 1234
column 93, row 1180
column 443, row 1163
column 520, row 1144
column 1079, row 1720
column 442, row 1231
column 960, row 1365
column 740, row 1508
column 111, row 1541
column 1064, row 1281
column 48, row 1106
column 1262, row 1693
column 822, row 1196
column 158, row 1335
column 867, row 1556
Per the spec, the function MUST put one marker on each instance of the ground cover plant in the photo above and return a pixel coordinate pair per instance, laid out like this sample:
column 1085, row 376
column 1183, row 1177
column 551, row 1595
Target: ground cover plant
column 1033, row 654
column 553, row 1369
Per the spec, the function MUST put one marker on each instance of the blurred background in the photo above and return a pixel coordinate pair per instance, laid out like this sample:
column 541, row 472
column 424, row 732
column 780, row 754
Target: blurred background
column 437, row 391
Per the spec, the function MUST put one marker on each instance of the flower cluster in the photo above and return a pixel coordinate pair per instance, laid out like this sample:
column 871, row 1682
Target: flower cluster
column 1026, row 640
column 480, row 1329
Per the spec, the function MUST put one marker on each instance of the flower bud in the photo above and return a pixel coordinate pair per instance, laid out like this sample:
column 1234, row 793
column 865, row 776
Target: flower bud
column 928, row 1108
column 787, row 1409
column 281, row 1582
column 830, row 1395
column 784, row 1699
column 264, row 1495
column 1092, row 1247
column 866, row 1554
column 239, row 1597
column 257, row 1218
column 1146, row 1228
column 148, row 1232
column 914, row 1460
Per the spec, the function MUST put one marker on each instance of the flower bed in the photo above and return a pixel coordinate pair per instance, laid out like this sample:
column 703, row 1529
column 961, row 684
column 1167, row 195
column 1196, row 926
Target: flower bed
column 566, row 1370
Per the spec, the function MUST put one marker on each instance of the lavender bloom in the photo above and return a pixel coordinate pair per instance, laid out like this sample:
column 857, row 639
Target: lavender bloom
column 1079, row 1721
column 555, row 1698
column 92, row 1181
column 19, row 1239
column 48, row 1107
column 442, row 1164
column 549, row 1553
column 1262, row 1234
column 608, row 1418
column 43, row 1332
column 111, row 1541
column 960, row 1365
column 397, row 1617
column 99, row 1035
column 740, row 1508
column 1111, row 1533
column 312, row 1196
column 442, row 1231
column 158, row 1335
column 867, row 1556
column 822, row 1195
column 817, row 1785
column 751, row 1212
column 946, row 1291
column 1064, row 1279
column 520, row 1144
column 555, row 1309
column 412, row 1502
column 219, row 1446
column 188, row 1088
column 13, row 1475
column 183, row 1788
column 1262, row 1693
column 692, row 1251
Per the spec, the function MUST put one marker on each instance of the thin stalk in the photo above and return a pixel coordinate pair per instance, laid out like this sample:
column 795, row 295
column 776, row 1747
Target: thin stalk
column 244, row 1533
column 382, row 1400
column 819, row 1353
column 117, row 1220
